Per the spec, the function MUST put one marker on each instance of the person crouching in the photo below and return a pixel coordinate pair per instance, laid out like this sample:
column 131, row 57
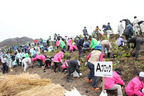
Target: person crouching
column 71, row 66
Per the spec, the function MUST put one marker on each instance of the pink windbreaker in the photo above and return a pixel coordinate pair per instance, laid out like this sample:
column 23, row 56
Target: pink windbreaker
column 69, row 42
column 63, row 66
column 134, row 86
column 57, row 43
column 41, row 57
column 35, row 58
column 58, row 57
column 72, row 47
column 111, row 81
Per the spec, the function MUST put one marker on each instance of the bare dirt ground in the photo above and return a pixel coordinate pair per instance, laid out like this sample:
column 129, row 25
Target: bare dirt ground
column 129, row 70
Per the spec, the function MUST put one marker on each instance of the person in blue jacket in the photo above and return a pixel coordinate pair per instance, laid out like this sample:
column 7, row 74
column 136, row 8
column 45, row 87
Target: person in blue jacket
column 120, row 41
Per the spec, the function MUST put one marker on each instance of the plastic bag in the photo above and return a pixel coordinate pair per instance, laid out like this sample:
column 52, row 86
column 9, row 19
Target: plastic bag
column 75, row 74
column 103, row 93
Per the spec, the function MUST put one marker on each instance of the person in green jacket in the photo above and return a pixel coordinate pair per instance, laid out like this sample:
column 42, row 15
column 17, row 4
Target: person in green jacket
column 62, row 44
column 93, row 42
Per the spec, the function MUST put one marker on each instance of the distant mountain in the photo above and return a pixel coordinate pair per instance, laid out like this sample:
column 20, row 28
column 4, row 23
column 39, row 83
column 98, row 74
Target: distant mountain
column 15, row 41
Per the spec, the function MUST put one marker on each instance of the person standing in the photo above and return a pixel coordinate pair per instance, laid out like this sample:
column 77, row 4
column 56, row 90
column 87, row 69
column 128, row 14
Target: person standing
column 4, row 63
column 95, row 55
column 85, row 33
column 136, row 26
column 108, row 29
column 62, row 44
column 97, row 29
column 49, row 38
column 120, row 28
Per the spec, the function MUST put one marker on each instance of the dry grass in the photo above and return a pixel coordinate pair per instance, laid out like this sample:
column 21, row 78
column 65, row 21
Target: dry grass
column 28, row 84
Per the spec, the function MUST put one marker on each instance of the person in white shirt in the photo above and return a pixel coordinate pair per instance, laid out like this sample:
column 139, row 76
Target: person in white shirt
column 4, row 64
column 136, row 26
column 26, row 61
column 120, row 28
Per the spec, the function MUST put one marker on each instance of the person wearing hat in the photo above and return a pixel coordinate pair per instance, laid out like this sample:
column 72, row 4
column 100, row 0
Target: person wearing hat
column 120, row 28
column 57, row 60
column 71, row 66
column 80, row 45
column 137, row 43
column 72, row 47
column 115, row 82
column 106, row 44
column 136, row 86
column 136, row 26
column 95, row 55
column 93, row 42
column 85, row 33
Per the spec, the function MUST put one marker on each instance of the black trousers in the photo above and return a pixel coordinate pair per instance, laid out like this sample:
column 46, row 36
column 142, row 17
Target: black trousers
column 68, row 48
column 5, row 68
column 56, row 64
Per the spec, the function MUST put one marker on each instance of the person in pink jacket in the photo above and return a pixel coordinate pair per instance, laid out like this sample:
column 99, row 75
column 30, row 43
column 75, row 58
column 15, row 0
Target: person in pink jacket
column 57, row 43
column 69, row 43
column 39, row 58
column 64, row 66
column 72, row 47
column 115, row 82
column 135, row 86
column 57, row 59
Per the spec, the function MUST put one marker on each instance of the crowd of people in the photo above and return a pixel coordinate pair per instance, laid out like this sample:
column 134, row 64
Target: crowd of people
column 25, row 55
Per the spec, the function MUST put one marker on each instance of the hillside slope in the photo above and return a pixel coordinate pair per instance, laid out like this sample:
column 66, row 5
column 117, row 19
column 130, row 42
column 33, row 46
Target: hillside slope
column 15, row 41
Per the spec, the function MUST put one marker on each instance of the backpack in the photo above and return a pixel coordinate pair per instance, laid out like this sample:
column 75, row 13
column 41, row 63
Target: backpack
column 126, row 31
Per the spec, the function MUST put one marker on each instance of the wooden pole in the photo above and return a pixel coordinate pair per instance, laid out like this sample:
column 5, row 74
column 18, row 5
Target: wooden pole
column 103, row 83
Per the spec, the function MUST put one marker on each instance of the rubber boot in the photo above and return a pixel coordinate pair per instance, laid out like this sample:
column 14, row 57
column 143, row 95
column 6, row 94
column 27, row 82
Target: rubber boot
column 68, row 79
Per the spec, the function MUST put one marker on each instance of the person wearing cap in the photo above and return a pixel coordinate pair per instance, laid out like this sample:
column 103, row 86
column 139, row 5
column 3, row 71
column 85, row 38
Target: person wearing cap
column 57, row 60
column 85, row 33
column 136, row 86
column 136, row 26
column 93, row 42
column 26, row 61
column 137, row 43
column 62, row 44
column 106, row 44
column 120, row 28
column 108, row 29
column 80, row 45
column 115, row 82
column 95, row 55
column 120, row 41
column 71, row 66
column 72, row 47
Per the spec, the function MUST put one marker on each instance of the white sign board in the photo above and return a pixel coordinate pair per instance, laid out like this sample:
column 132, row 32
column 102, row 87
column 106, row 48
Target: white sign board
column 103, row 69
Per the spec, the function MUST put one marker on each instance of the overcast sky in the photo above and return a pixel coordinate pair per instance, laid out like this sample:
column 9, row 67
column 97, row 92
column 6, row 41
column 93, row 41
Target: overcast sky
column 41, row 18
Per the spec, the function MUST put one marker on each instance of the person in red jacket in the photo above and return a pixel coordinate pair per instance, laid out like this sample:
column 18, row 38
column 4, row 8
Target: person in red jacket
column 115, row 82
column 35, row 41
column 136, row 86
